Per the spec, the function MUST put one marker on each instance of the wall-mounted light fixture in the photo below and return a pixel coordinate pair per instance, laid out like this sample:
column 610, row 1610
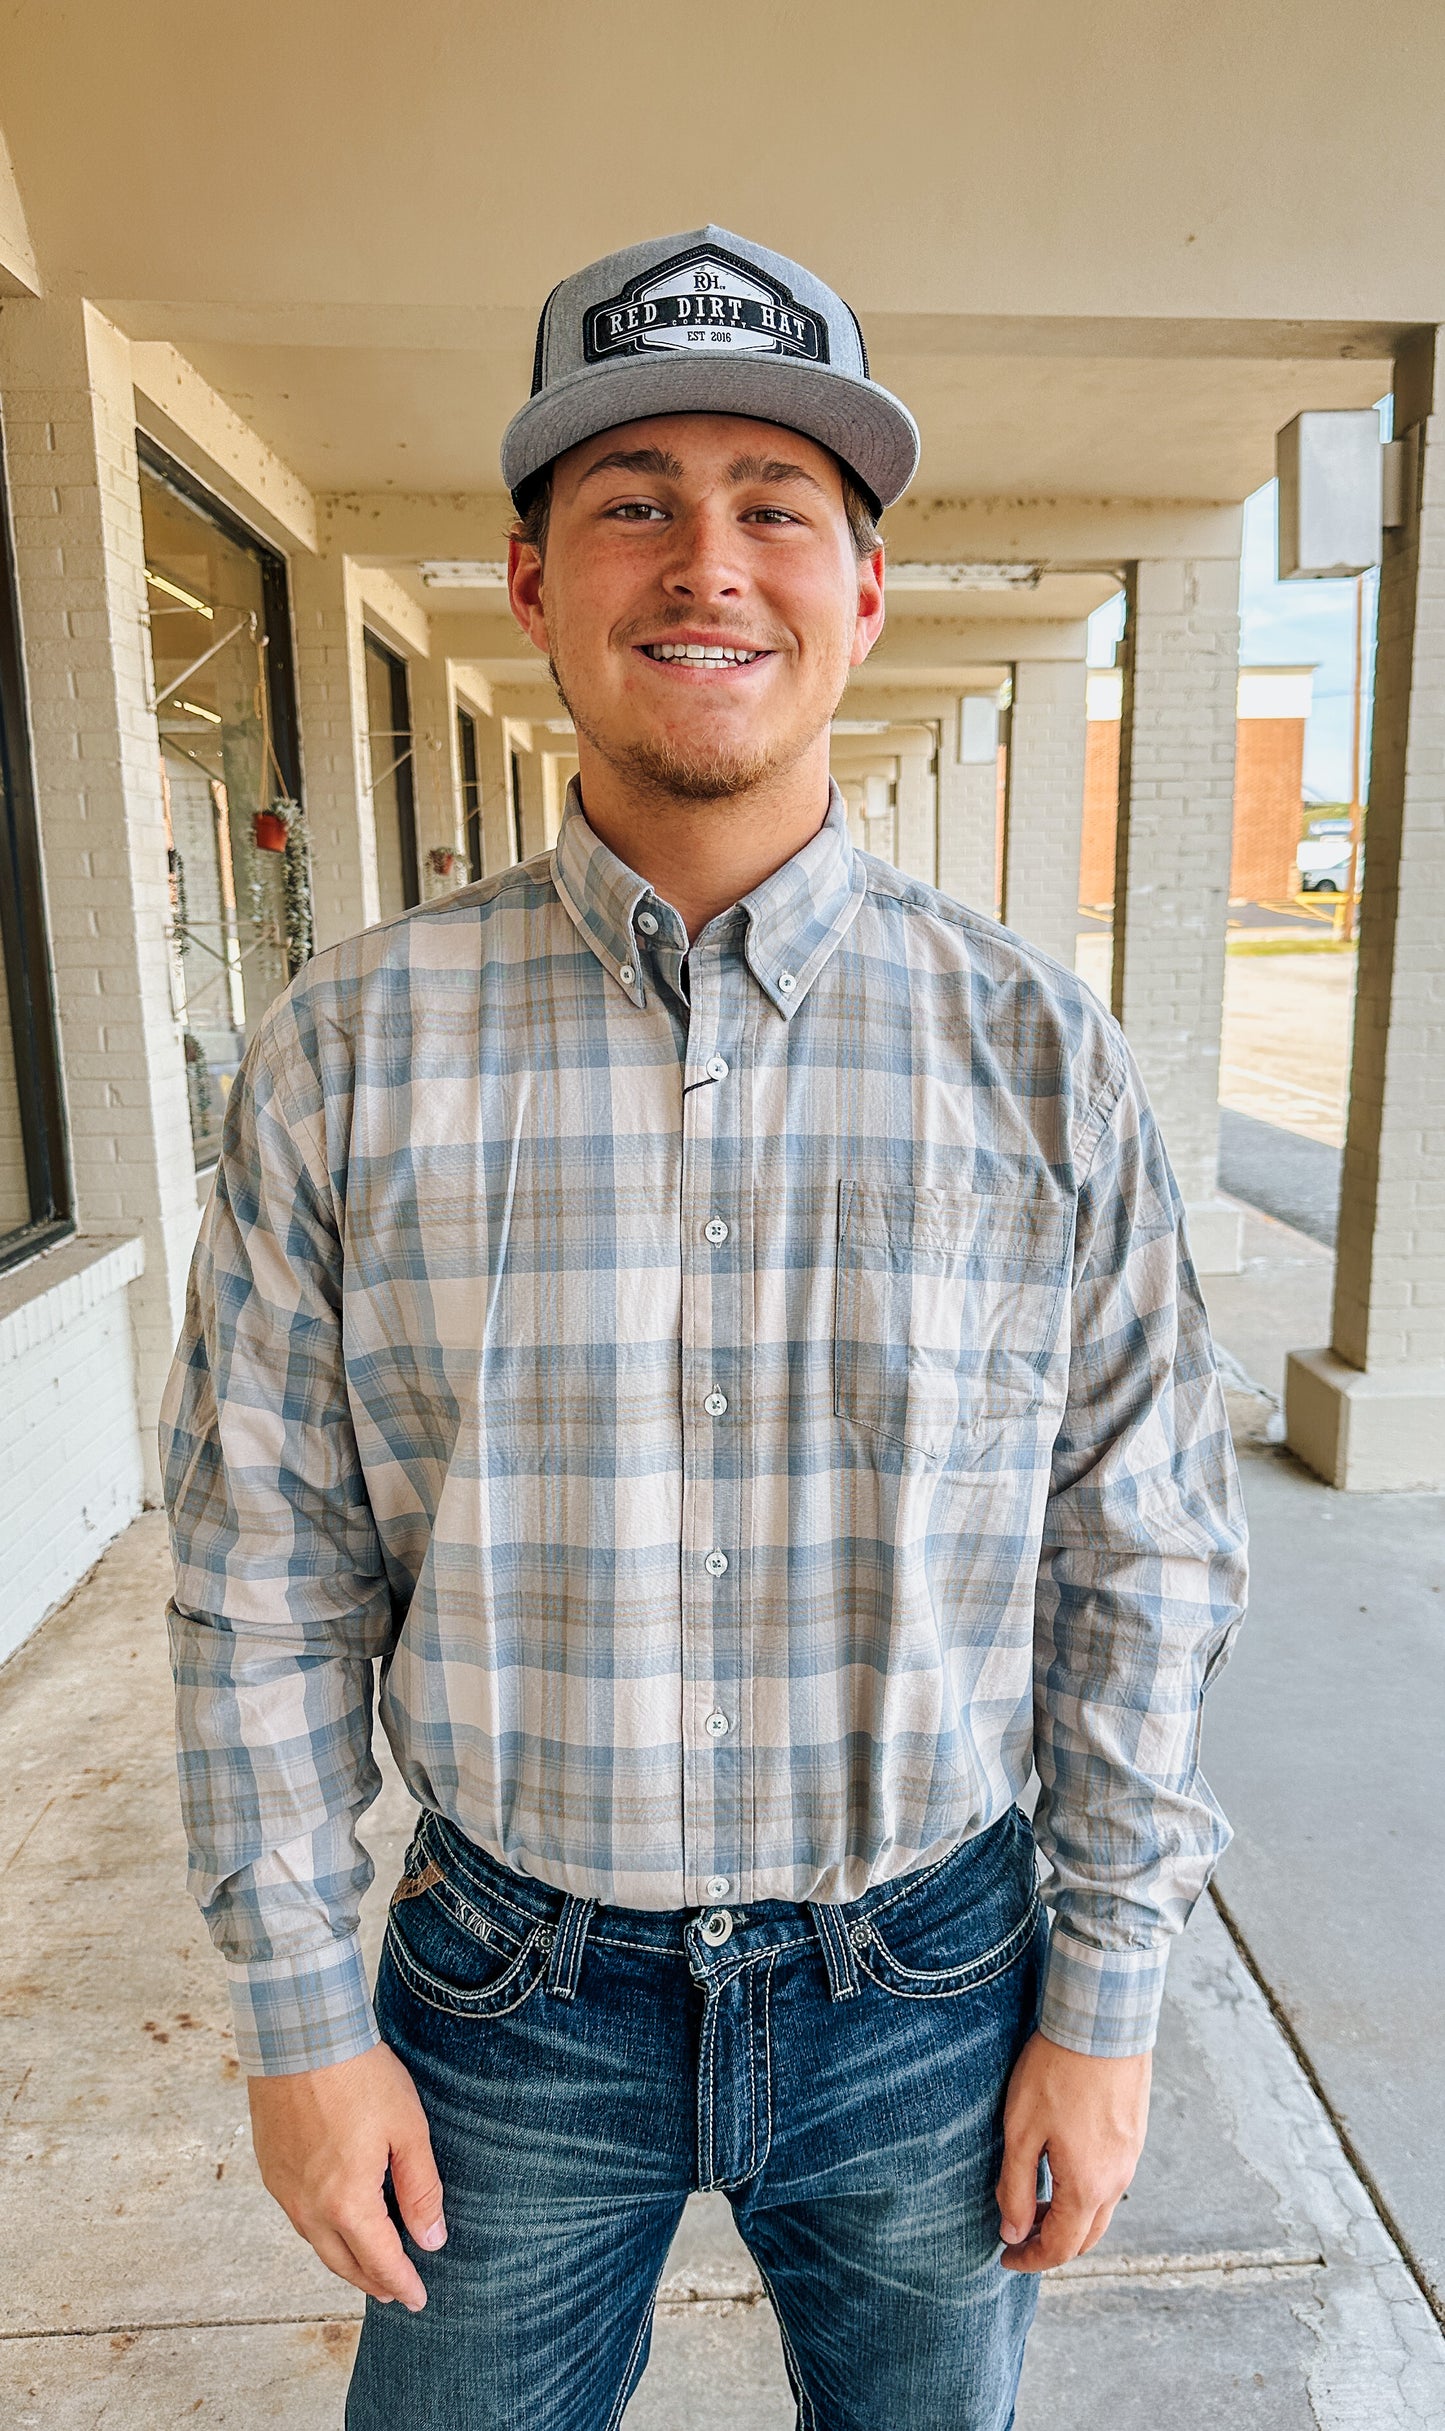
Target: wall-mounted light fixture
column 464, row 573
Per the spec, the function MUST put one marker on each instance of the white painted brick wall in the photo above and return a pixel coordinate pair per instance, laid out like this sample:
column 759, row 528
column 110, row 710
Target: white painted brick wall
column 968, row 804
column 1044, row 814
column 71, row 1465
column 331, row 706
column 1390, row 1272
column 75, row 500
column 1176, row 816
column 917, row 809
column 438, row 788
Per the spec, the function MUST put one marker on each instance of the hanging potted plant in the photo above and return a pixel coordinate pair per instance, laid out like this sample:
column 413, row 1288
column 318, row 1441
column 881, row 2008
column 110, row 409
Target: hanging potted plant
column 270, row 828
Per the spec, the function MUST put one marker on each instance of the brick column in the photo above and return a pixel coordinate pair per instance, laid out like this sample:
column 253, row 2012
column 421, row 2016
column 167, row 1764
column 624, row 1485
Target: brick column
column 531, row 807
column 1369, row 1412
column 968, row 804
column 1171, row 885
column 434, row 762
column 497, row 850
column 917, row 811
column 331, row 703
column 1044, row 805
column 80, row 571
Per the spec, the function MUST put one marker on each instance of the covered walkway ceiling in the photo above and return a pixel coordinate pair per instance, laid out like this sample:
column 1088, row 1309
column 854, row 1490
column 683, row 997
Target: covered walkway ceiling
column 1104, row 252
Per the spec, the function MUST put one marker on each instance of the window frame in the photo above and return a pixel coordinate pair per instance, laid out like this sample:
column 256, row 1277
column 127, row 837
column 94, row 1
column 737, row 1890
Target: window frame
column 403, row 770
column 275, row 600
column 469, row 765
column 25, row 928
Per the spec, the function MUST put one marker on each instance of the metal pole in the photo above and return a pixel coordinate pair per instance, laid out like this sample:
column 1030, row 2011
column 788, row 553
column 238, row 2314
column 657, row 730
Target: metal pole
column 1347, row 918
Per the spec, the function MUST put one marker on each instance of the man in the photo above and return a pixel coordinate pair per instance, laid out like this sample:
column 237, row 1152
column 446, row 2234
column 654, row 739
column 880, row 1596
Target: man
column 709, row 1316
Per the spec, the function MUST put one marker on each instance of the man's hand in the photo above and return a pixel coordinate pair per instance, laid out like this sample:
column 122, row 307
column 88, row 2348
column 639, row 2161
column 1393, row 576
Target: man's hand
column 1089, row 2116
column 325, row 2140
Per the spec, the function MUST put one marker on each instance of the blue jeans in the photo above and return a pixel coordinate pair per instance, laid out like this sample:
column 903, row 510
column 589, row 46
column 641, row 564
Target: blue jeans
column 838, row 2072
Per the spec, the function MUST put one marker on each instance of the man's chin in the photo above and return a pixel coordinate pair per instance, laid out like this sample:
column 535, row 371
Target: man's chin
column 689, row 773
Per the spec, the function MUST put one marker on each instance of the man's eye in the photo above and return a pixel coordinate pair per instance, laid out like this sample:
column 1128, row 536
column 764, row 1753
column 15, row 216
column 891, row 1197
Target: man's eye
column 636, row 510
column 771, row 514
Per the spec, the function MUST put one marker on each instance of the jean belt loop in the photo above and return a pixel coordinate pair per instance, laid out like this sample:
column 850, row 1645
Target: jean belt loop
column 832, row 1932
column 568, row 1942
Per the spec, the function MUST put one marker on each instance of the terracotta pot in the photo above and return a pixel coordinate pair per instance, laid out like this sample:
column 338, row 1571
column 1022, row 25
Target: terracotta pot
column 269, row 832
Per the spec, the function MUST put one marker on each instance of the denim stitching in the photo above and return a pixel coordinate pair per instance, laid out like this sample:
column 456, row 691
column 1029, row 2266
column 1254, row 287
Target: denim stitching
column 704, row 2089
column 944, row 1983
column 439, row 1994
column 625, row 2390
column 807, row 2412
column 761, row 2164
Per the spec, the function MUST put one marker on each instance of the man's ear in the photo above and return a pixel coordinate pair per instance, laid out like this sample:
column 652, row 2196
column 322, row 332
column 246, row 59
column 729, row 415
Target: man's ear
column 870, row 606
column 524, row 592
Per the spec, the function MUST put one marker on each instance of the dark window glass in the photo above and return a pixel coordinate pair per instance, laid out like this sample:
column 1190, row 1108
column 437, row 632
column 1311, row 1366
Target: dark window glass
column 35, row 1195
column 220, row 636
column 471, row 792
column 514, row 803
column 393, row 795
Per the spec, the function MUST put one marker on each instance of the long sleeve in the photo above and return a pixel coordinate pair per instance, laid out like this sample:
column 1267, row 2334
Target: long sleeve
column 1140, row 1590
column 281, row 1599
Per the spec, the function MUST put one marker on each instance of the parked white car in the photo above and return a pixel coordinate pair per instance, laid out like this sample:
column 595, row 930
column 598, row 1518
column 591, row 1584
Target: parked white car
column 1323, row 859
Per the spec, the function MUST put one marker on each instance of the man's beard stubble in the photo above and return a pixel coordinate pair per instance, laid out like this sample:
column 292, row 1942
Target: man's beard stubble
column 670, row 773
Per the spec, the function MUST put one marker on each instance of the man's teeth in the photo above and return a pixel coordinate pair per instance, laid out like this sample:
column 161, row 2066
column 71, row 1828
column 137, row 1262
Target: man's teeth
column 701, row 654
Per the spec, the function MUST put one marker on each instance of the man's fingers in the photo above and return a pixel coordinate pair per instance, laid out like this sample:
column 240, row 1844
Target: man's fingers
column 366, row 2250
column 342, row 2263
column 1102, row 2217
column 1062, row 2227
column 1018, row 2186
column 417, row 2187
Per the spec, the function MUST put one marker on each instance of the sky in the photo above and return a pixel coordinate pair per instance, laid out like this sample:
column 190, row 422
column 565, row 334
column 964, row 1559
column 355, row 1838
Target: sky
column 1290, row 624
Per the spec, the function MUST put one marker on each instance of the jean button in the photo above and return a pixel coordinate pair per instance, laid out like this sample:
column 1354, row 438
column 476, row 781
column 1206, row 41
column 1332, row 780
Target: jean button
column 716, row 1928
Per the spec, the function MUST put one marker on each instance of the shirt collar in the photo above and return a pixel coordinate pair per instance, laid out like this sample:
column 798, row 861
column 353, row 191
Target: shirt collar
column 795, row 920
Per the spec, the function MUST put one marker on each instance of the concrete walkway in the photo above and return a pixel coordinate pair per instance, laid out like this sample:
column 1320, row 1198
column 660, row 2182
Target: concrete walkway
column 1249, row 2279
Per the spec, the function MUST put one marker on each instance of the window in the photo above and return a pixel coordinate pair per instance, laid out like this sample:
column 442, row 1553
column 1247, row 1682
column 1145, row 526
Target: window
column 514, row 803
column 220, row 631
column 393, row 795
column 35, row 1194
column 471, row 792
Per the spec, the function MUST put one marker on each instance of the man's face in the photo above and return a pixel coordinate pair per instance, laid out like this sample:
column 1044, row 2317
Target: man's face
column 700, row 599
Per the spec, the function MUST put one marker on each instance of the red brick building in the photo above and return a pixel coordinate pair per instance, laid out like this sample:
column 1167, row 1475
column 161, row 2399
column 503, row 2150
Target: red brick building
column 1274, row 703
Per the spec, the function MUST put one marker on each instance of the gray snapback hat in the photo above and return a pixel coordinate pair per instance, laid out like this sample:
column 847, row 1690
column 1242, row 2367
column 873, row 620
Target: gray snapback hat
column 706, row 324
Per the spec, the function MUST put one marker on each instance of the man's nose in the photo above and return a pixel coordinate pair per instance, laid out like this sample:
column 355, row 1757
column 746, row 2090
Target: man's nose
column 704, row 563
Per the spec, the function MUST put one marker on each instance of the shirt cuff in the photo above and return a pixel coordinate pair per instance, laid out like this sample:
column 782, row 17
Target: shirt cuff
column 304, row 2012
column 1101, row 2002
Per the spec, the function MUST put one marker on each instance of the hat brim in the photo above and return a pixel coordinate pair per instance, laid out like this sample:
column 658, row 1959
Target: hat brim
column 868, row 428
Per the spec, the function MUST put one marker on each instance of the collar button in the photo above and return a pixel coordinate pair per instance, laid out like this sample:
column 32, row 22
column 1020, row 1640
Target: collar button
column 787, row 981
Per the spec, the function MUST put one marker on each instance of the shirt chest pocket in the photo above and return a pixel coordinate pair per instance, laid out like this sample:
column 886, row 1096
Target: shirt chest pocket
column 950, row 1311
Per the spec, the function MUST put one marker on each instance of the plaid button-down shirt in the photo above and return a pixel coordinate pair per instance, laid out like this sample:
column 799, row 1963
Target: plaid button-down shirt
column 754, row 1400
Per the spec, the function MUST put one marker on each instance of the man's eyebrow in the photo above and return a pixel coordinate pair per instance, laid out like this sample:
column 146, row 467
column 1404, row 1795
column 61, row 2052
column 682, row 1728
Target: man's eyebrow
column 770, row 469
column 654, row 460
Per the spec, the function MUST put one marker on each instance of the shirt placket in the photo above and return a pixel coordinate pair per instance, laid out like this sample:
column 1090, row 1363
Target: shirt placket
column 715, row 1758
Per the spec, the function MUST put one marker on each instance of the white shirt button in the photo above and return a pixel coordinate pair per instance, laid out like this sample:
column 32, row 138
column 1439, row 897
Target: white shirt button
column 717, row 1726
column 648, row 923
column 717, row 1886
column 786, row 983
column 715, row 1230
column 715, row 1068
column 716, row 1928
column 715, row 1563
column 716, row 1404
column 627, row 974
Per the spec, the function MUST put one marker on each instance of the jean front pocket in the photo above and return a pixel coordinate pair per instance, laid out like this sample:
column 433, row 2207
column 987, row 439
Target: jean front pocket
column 959, row 1925
column 968, row 1974
column 949, row 1311
column 456, row 1956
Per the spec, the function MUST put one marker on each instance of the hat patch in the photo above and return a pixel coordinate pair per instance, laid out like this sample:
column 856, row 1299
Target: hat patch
column 704, row 302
